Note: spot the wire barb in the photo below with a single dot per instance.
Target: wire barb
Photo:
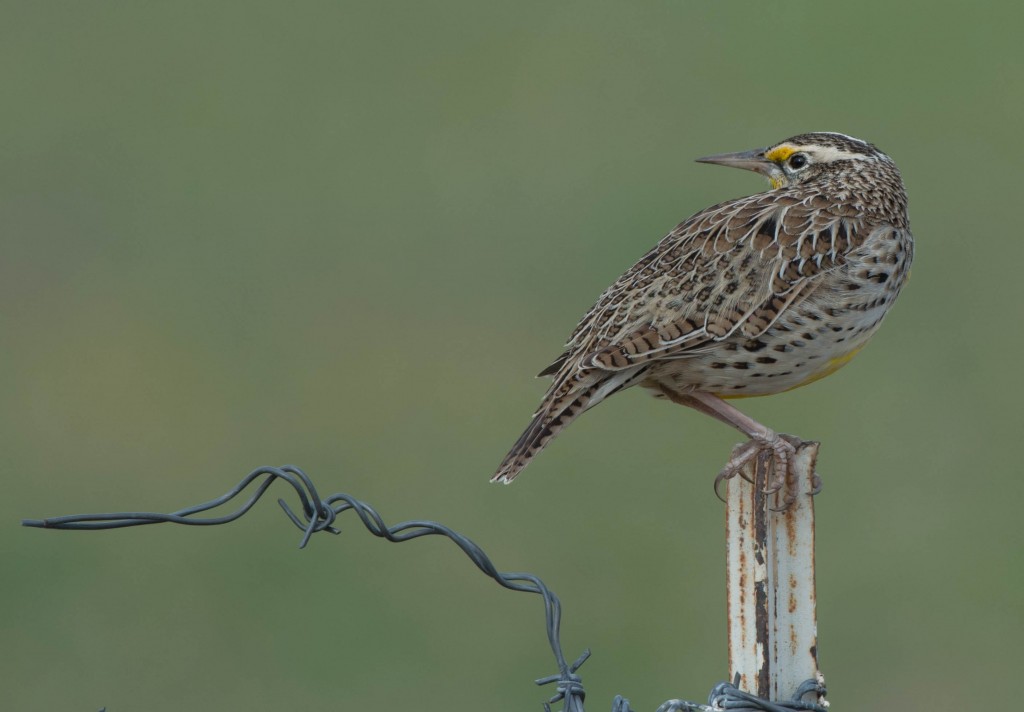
(570, 687)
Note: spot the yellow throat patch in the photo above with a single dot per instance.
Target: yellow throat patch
(778, 155)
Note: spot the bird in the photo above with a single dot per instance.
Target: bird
(750, 297)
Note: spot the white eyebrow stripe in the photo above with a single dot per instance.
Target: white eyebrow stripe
(828, 154)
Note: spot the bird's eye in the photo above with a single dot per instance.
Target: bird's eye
(798, 161)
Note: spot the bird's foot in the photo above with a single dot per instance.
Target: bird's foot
(768, 449)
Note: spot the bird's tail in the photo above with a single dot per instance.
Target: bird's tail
(563, 403)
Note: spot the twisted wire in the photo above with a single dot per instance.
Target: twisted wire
(726, 696)
(320, 514)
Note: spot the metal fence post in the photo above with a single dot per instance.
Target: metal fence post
(773, 645)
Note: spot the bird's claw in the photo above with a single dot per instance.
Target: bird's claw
(774, 451)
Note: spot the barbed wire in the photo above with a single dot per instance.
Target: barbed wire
(726, 696)
(320, 515)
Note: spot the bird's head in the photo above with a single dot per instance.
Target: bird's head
(806, 158)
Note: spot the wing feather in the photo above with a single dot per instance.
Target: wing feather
(730, 270)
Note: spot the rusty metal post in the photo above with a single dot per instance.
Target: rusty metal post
(773, 625)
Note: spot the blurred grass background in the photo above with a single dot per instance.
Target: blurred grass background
(347, 234)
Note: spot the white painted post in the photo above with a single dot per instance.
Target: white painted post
(773, 643)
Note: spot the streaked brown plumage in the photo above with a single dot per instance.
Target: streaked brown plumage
(750, 297)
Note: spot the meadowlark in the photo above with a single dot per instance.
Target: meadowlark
(750, 297)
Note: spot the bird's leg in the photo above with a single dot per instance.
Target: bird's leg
(761, 437)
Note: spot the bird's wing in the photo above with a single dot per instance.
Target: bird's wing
(729, 270)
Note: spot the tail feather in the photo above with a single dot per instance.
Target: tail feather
(565, 402)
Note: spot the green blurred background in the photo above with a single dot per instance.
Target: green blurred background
(347, 234)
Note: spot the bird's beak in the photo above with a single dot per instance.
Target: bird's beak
(748, 160)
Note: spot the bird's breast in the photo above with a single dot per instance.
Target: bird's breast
(809, 340)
